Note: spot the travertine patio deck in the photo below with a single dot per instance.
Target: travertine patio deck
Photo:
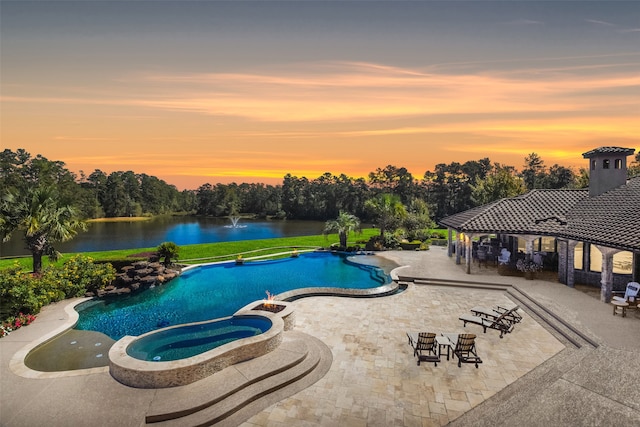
(374, 379)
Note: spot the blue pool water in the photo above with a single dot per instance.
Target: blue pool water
(219, 290)
(187, 341)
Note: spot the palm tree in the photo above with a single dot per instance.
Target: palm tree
(42, 219)
(168, 251)
(387, 210)
(343, 225)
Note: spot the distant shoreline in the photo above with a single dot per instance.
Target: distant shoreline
(121, 219)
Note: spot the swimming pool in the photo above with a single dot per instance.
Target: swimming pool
(218, 290)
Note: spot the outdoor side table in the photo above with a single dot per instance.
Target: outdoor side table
(621, 305)
(443, 341)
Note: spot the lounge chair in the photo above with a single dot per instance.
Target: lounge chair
(511, 315)
(464, 348)
(424, 342)
(505, 257)
(630, 295)
(500, 323)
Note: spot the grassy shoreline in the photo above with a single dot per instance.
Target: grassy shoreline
(122, 219)
(202, 252)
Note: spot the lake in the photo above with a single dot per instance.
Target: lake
(182, 230)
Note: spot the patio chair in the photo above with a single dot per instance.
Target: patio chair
(630, 295)
(511, 315)
(424, 342)
(499, 323)
(505, 257)
(464, 348)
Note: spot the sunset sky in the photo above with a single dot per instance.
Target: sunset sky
(197, 92)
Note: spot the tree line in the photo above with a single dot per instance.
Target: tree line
(448, 189)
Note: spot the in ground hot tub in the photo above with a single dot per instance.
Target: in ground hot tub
(183, 354)
(186, 341)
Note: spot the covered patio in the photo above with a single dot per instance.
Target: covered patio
(594, 234)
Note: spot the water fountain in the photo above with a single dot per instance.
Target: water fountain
(234, 222)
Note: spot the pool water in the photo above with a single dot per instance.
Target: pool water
(219, 290)
(187, 341)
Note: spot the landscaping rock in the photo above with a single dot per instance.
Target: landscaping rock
(137, 276)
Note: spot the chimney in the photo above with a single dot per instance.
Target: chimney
(607, 168)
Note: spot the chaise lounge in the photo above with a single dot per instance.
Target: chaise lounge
(510, 314)
(500, 323)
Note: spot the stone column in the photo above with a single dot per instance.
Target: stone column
(449, 242)
(606, 282)
(458, 247)
(563, 263)
(566, 261)
(528, 239)
(469, 256)
(571, 262)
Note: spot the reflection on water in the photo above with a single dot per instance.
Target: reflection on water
(104, 236)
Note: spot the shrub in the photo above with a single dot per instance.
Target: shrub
(18, 292)
(77, 276)
(439, 234)
(22, 292)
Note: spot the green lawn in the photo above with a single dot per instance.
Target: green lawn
(208, 252)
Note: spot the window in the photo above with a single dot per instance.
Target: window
(618, 164)
(622, 261)
(577, 256)
(605, 163)
(548, 244)
(593, 165)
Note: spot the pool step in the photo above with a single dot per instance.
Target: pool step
(239, 391)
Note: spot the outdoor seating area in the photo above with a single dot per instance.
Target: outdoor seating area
(628, 300)
(429, 347)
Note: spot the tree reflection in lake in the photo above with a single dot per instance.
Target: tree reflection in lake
(182, 230)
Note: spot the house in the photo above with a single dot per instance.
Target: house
(591, 236)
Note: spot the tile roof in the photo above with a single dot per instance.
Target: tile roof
(608, 150)
(538, 211)
(610, 219)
